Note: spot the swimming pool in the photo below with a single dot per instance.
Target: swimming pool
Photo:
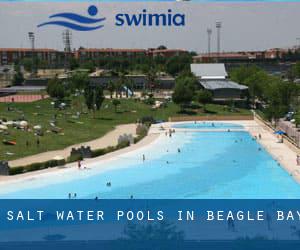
(209, 165)
(208, 125)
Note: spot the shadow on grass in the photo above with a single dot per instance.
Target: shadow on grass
(187, 112)
(104, 118)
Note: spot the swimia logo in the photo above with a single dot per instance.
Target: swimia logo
(88, 23)
(77, 22)
(150, 19)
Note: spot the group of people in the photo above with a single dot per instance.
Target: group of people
(170, 132)
(74, 196)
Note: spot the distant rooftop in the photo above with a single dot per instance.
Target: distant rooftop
(209, 70)
(221, 84)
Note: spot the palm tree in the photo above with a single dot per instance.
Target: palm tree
(111, 88)
(151, 79)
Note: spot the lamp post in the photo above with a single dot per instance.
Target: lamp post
(209, 31)
(218, 26)
(32, 40)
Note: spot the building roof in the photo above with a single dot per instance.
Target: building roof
(26, 50)
(110, 50)
(221, 84)
(209, 70)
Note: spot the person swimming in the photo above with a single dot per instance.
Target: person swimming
(178, 150)
(108, 184)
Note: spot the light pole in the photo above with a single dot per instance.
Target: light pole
(32, 40)
(218, 26)
(209, 31)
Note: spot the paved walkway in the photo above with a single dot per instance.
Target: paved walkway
(109, 139)
(22, 98)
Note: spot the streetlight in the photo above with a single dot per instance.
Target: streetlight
(32, 39)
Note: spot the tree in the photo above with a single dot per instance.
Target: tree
(79, 80)
(28, 64)
(89, 65)
(74, 64)
(184, 91)
(204, 97)
(177, 64)
(116, 103)
(111, 88)
(151, 79)
(161, 47)
(94, 98)
(55, 89)
(18, 77)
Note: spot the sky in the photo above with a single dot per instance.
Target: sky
(245, 26)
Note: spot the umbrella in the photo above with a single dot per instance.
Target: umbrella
(279, 132)
(3, 127)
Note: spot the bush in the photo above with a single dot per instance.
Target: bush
(123, 144)
(16, 170)
(98, 152)
(147, 119)
(74, 157)
(36, 166)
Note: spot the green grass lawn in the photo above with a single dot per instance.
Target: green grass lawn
(83, 129)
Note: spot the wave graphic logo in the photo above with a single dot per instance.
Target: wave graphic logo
(75, 21)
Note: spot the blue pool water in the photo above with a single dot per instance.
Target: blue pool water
(208, 125)
(210, 165)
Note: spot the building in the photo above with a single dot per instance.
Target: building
(83, 54)
(136, 81)
(244, 56)
(11, 55)
(166, 52)
(92, 53)
(229, 57)
(214, 78)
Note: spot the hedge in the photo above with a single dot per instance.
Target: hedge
(36, 166)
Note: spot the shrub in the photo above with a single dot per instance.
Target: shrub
(74, 157)
(16, 170)
(98, 152)
(36, 166)
(123, 144)
(147, 119)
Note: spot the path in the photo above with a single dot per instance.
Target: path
(109, 139)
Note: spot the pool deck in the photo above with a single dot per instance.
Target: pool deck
(284, 153)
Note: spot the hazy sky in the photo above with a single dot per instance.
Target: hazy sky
(246, 26)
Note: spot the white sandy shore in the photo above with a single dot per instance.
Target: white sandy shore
(284, 153)
(72, 167)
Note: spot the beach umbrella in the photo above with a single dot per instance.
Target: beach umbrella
(3, 127)
(23, 124)
(37, 127)
(279, 132)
